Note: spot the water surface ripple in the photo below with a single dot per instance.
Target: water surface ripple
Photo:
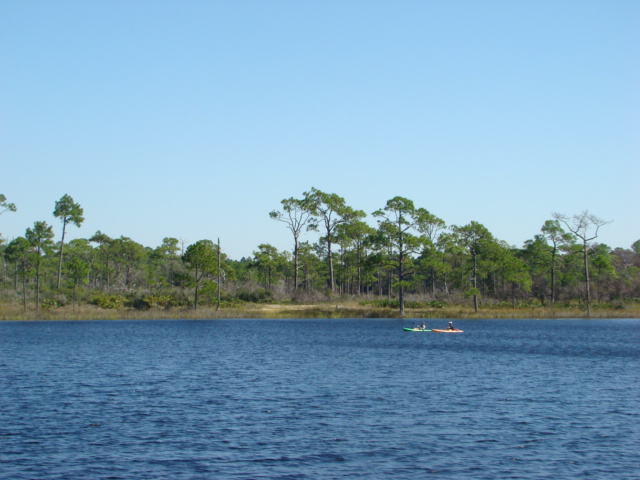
(319, 399)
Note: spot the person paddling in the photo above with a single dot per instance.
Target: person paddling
(451, 327)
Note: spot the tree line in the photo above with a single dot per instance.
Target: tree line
(410, 255)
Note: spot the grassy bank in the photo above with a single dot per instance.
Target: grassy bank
(323, 310)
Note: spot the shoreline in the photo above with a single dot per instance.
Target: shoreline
(310, 311)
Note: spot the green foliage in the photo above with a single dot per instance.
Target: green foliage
(50, 303)
(107, 301)
(411, 254)
(531, 303)
(257, 296)
(208, 292)
(271, 264)
(231, 303)
(156, 301)
(40, 237)
(387, 303)
(68, 211)
(6, 206)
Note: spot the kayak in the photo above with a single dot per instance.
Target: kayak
(415, 329)
(447, 331)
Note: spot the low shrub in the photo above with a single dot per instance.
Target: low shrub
(387, 303)
(257, 296)
(107, 301)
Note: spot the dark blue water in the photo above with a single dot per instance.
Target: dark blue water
(319, 399)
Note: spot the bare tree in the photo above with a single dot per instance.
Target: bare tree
(585, 226)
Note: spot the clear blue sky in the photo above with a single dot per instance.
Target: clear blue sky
(194, 119)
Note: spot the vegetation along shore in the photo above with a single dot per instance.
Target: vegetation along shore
(346, 309)
(409, 264)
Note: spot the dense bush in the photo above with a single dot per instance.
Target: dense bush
(105, 300)
(258, 296)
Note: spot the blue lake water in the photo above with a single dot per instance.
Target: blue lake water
(319, 399)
